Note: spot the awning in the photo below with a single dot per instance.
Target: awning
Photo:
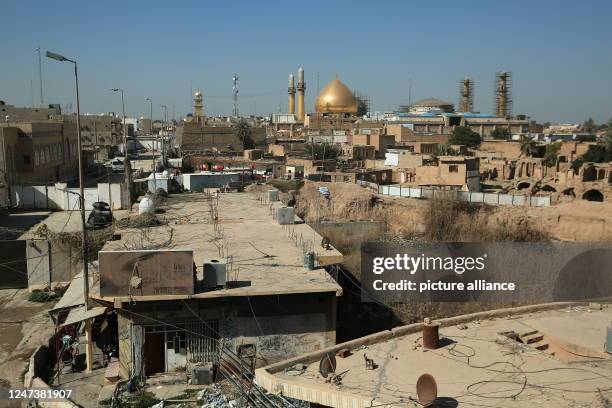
(79, 314)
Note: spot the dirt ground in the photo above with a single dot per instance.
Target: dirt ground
(577, 220)
(24, 326)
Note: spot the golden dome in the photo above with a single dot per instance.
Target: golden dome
(336, 98)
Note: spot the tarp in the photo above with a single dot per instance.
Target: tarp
(73, 297)
(79, 314)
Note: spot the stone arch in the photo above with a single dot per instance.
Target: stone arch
(593, 195)
(549, 188)
(522, 185)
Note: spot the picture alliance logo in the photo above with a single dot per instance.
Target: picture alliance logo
(413, 264)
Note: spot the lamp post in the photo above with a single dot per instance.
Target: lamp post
(61, 58)
(164, 136)
(126, 167)
(153, 145)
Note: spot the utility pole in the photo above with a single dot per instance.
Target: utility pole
(126, 166)
(153, 146)
(165, 135)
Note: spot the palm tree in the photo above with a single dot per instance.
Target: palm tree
(528, 147)
(242, 130)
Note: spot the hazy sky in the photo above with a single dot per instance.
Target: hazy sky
(560, 52)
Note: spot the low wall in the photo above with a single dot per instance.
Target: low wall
(467, 196)
(413, 328)
(60, 197)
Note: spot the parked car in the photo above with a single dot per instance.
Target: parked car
(100, 217)
(116, 164)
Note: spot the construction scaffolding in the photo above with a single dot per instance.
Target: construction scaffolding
(466, 95)
(503, 94)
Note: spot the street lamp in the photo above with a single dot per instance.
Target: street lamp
(164, 136)
(123, 113)
(61, 58)
(153, 144)
(125, 150)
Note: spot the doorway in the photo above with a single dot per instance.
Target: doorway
(155, 354)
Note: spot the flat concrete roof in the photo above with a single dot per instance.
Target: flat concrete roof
(475, 366)
(266, 259)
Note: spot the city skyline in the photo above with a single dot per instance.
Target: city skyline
(557, 52)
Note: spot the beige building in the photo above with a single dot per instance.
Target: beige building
(451, 173)
(358, 152)
(198, 137)
(381, 142)
(38, 152)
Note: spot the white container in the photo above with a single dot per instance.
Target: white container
(146, 206)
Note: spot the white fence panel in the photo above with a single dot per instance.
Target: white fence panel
(405, 191)
(490, 198)
(476, 197)
(395, 191)
(505, 199)
(463, 196)
(416, 192)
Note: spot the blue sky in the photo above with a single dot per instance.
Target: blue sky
(560, 52)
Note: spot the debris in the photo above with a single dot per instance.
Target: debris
(343, 353)
(462, 326)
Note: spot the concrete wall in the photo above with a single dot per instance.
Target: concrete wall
(279, 326)
(60, 197)
(199, 181)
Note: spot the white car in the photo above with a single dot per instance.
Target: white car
(116, 165)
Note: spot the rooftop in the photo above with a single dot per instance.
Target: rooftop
(563, 364)
(266, 257)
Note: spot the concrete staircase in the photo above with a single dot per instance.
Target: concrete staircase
(536, 340)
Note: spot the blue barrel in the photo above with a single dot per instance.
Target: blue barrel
(309, 260)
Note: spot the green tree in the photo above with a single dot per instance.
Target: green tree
(465, 136)
(501, 134)
(445, 150)
(322, 151)
(552, 153)
(242, 130)
(528, 147)
(589, 125)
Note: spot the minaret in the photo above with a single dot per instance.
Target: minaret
(301, 87)
(291, 94)
(466, 95)
(503, 94)
(198, 107)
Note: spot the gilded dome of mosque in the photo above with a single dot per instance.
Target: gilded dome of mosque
(336, 98)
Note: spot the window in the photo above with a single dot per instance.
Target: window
(26, 159)
(453, 168)
(36, 156)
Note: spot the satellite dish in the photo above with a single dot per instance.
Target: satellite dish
(327, 365)
(427, 390)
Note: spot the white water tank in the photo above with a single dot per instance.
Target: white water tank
(146, 206)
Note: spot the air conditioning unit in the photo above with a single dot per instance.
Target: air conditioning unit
(203, 375)
(285, 215)
(215, 273)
